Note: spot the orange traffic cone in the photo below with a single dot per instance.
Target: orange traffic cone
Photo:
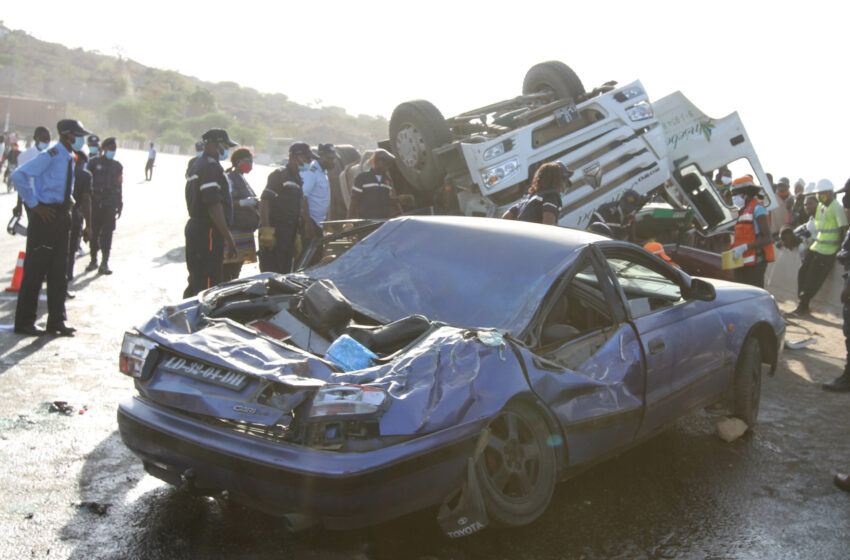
(19, 274)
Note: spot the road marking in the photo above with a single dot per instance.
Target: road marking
(42, 297)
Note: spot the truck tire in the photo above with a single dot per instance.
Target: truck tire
(416, 129)
(554, 77)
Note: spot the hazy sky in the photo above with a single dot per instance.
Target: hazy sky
(781, 65)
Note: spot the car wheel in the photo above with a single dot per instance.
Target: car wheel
(748, 382)
(416, 129)
(516, 469)
(555, 78)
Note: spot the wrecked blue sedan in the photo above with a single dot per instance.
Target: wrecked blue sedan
(459, 364)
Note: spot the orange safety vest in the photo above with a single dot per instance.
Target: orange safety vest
(745, 233)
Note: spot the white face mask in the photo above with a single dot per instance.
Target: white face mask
(738, 201)
(726, 180)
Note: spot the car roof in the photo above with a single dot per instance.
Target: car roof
(466, 271)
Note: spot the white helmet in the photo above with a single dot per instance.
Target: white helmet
(810, 189)
(799, 183)
(825, 185)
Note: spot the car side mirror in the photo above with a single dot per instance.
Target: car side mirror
(702, 290)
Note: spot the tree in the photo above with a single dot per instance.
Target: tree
(199, 102)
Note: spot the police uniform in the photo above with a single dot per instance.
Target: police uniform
(82, 187)
(206, 186)
(374, 192)
(46, 180)
(107, 177)
(530, 208)
(283, 195)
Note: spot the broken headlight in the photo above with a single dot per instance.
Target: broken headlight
(628, 93)
(348, 400)
(134, 352)
(493, 175)
(640, 111)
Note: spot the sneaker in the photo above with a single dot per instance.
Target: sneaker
(104, 269)
(91, 266)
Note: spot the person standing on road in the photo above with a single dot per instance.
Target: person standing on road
(199, 151)
(542, 204)
(11, 159)
(280, 211)
(210, 212)
(246, 213)
(752, 241)
(842, 383)
(42, 141)
(149, 164)
(80, 212)
(831, 224)
(107, 203)
(372, 196)
(317, 194)
(93, 143)
(45, 184)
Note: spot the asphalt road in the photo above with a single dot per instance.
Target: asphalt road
(70, 489)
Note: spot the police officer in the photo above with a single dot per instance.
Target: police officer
(81, 211)
(93, 143)
(372, 196)
(107, 203)
(542, 204)
(45, 184)
(620, 214)
(210, 213)
(199, 151)
(280, 210)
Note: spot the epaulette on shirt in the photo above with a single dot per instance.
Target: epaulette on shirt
(53, 151)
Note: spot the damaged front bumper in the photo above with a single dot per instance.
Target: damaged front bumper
(341, 490)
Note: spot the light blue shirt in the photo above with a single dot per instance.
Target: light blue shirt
(759, 210)
(44, 178)
(317, 190)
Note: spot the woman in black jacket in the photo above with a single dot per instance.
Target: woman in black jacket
(246, 214)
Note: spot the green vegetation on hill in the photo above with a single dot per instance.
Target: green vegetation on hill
(123, 98)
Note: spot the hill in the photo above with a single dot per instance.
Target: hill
(120, 97)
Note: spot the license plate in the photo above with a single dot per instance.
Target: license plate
(203, 372)
(566, 115)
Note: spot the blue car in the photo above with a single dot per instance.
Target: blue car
(460, 364)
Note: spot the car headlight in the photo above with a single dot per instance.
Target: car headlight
(493, 175)
(641, 111)
(134, 352)
(348, 400)
(628, 93)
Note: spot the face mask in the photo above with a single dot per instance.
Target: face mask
(41, 146)
(304, 167)
(726, 180)
(78, 143)
(245, 167)
(94, 150)
(738, 201)
(199, 154)
(110, 154)
(224, 156)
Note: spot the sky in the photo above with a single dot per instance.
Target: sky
(781, 65)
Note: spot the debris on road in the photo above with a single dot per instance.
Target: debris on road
(63, 407)
(800, 344)
(730, 429)
(93, 507)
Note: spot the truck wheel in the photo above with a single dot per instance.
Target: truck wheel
(516, 470)
(748, 382)
(416, 129)
(553, 77)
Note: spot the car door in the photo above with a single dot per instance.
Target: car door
(687, 363)
(587, 363)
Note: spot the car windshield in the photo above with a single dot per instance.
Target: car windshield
(467, 272)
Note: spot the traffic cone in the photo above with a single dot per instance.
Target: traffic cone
(19, 274)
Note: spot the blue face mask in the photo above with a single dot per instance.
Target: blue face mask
(224, 156)
(41, 146)
(78, 143)
(304, 167)
(94, 150)
(199, 154)
(110, 154)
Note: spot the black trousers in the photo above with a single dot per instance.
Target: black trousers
(149, 170)
(76, 236)
(102, 226)
(812, 274)
(847, 335)
(204, 257)
(752, 275)
(281, 257)
(46, 258)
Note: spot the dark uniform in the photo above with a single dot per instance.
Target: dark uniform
(47, 181)
(107, 201)
(82, 187)
(283, 195)
(375, 193)
(206, 186)
(530, 208)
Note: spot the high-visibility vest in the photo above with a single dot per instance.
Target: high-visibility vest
(829, 234)
(745, 233)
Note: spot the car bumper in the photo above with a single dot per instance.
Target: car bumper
(342, 490)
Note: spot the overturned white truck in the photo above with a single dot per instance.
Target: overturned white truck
(613, 138)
